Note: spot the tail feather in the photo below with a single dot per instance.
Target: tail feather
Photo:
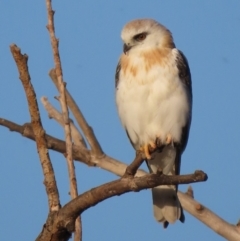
(166, 206)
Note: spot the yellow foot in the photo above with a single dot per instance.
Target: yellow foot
(146, 152)
(146, 149)
(168, 139)
(152, 145)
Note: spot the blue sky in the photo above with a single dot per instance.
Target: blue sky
(89, 31)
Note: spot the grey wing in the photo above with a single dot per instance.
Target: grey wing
(117, 78)
(185, 77)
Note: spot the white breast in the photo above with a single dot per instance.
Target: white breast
(152, 103)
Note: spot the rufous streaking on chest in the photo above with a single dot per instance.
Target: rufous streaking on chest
(154, 99)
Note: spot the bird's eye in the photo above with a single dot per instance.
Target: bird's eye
(140, 37)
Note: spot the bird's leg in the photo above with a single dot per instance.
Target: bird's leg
(146, 152)
(146, 149)
(152, 145)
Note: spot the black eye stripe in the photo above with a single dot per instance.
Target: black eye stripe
(140, 36)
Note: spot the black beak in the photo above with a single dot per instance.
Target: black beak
(126, 48)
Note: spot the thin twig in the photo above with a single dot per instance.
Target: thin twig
(86, 129)
(38, 131)
(53, 113)
(62, 99)
(228, 231)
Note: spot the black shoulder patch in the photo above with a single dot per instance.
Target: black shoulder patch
(185, 77)
(117, 74)
(184, 70)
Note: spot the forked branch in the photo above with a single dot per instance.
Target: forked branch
(64, 221)
(228, 231)
(86, 129)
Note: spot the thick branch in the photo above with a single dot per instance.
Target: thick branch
(131, 170)
(63, 223)
(116, 188)
(119, 168)
(38, 131)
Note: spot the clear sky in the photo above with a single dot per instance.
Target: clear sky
(208, 32)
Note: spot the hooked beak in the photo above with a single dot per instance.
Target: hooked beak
(126, 48)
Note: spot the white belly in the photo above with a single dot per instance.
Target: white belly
(153, 109)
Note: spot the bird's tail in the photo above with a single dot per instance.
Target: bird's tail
(166, 206)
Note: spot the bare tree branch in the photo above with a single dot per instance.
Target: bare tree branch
(124, 185)
(56, 115)
(206, 216)
(65, 219)
(112, 165)
(63, 102)
(37, 129)
(87, 130)
(105, 162)
(131, 169)
(76, 135)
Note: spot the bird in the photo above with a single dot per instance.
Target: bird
(153, 92)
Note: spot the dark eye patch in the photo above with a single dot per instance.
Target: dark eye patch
(140, 37)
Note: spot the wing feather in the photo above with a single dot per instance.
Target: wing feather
(185, 77)
(117, 73)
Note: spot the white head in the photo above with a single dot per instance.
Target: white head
(144, 34)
